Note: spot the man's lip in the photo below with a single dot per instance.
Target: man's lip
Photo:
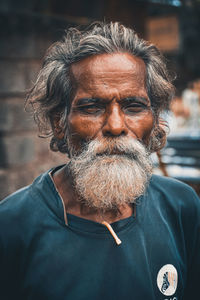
(117, 153)
(108, 153)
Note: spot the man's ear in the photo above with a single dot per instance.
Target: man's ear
(58, 131)
(159, 135)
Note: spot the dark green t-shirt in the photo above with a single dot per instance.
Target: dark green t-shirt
(43, 258)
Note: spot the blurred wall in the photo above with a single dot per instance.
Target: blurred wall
(25, 36)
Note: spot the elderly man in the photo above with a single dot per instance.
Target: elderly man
(101, 226)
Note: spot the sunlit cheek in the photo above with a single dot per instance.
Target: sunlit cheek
(141, 126)
(82, 128)
(147, 129)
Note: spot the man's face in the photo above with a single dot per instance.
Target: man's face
(109, 100)
(109, 122)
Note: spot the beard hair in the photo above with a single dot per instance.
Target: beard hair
(110, 173)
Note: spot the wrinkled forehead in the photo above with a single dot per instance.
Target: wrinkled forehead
(117, 70)
(109, 76)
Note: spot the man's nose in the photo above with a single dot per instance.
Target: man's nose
(114, 123)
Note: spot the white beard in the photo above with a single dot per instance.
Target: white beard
(110, 173)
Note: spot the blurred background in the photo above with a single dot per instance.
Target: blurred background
(29, 27)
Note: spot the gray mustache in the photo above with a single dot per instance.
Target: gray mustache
(118, 148)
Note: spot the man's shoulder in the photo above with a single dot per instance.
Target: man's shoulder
(173, 192)
(15, 200)
(168, 184)
(30, 208)
(22, 202)
(14, 212)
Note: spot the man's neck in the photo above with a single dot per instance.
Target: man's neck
(73, 206)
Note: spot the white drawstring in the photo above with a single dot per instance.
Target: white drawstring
(117, 240)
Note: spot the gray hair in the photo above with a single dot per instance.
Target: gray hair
(51, 94)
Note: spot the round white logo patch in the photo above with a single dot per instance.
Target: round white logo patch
(167, 280)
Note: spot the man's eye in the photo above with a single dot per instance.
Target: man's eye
(90, 109)
(134, 108)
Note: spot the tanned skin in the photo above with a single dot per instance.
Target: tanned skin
(110, 100)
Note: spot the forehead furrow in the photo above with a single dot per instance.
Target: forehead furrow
(110, 75)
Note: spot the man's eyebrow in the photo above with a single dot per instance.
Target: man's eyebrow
(144, 100)
(83, 101)
(86, 101)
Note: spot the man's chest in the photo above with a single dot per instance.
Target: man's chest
(79, 266)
